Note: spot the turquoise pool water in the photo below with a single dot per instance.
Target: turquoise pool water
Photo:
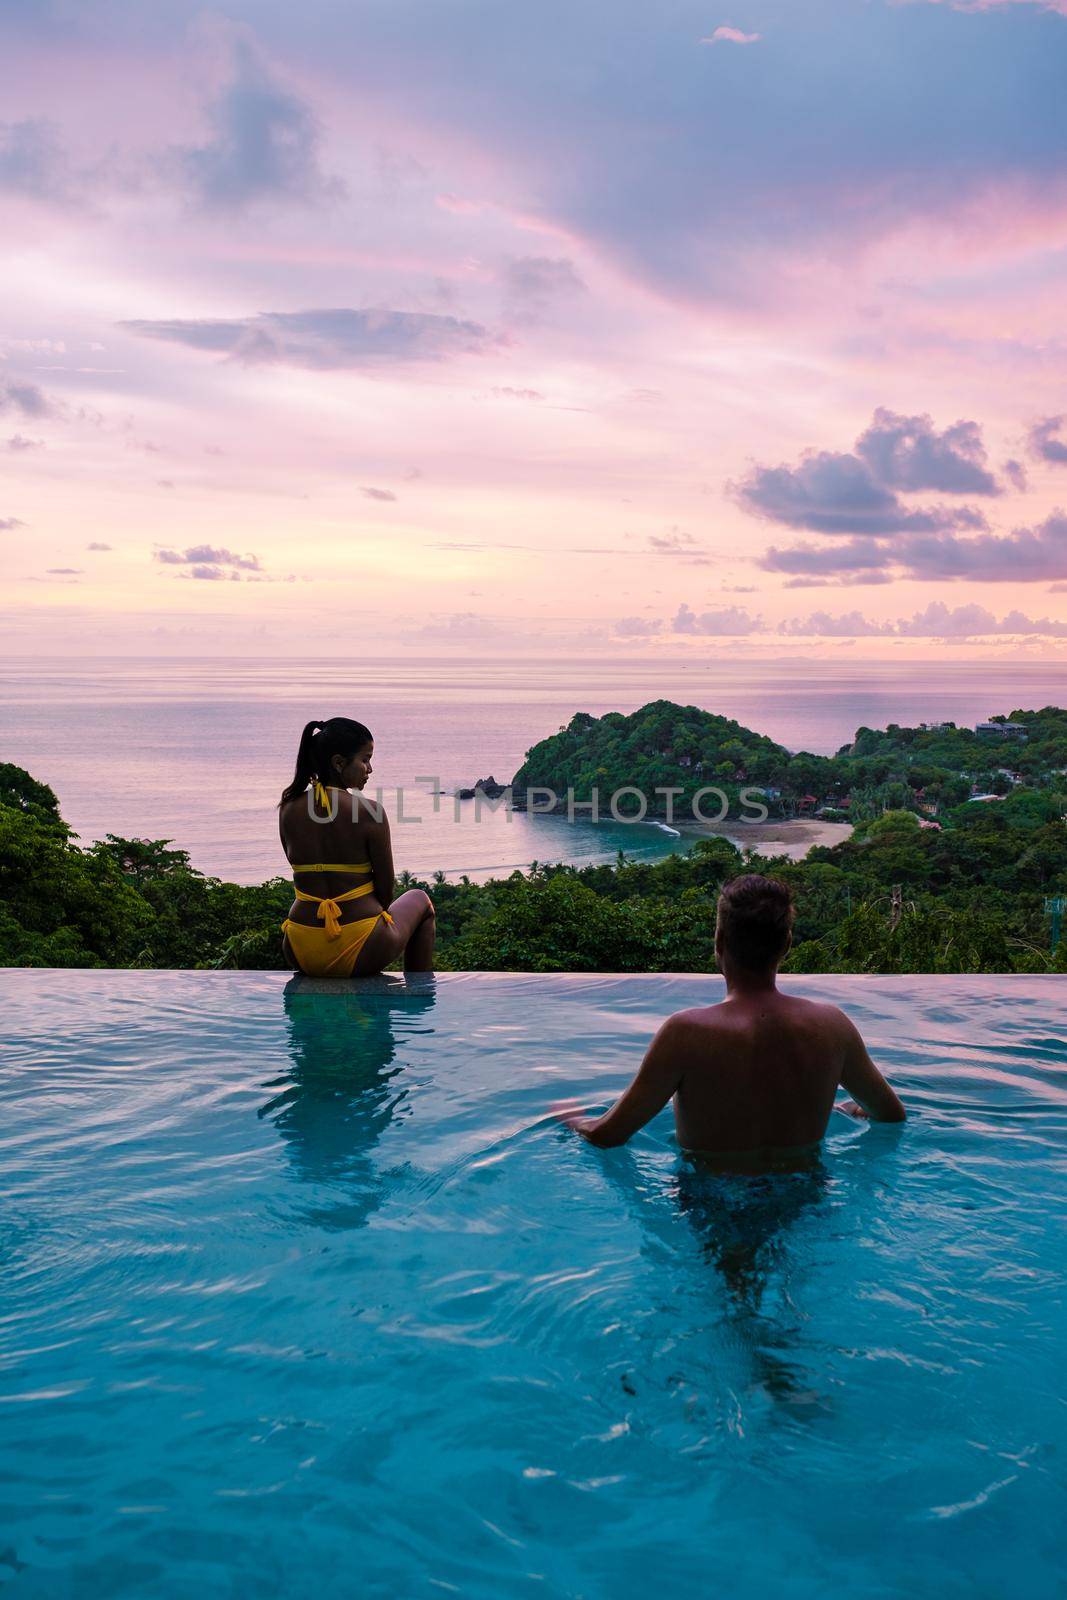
(304, 1293)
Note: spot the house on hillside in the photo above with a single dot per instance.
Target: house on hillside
(1000, 730)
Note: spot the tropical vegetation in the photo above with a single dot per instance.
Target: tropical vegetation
(977, 891)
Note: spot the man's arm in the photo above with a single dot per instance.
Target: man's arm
(861, 1078)
(657, 1078)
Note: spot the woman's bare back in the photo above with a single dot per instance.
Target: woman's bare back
(356, 834)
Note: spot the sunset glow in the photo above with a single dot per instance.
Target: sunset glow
(535, 330)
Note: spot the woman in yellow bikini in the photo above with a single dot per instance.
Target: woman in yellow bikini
(344, 921)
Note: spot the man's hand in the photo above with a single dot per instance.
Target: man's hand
(657, 1078)
(575, 1116)
(851, 1109)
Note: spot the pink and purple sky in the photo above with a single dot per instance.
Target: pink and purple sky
(470, 326)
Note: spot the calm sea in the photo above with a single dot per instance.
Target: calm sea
(197, 751)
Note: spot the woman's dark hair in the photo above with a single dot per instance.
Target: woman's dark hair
(319, 743)
(756, 920)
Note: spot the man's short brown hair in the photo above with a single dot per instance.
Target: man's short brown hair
(756, 920)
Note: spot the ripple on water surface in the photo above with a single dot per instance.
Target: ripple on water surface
(305, 1292)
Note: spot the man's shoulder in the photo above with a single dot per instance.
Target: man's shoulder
(825, 1008)
(695, 1019)
(823, 1013)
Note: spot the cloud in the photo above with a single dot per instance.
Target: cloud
(638, 627)
(814, 561)
(938, 621)
(1059, 6)
(1015, 473)
(27, 399)
(941, 622)
(97, 545)
(461, 625)
(858, 492)
(541, 277)
(33, 162)
(1026, 555)
(908, 453)
(1043, 442)
(64, 572)
(207, 561)
(264, 143)
(507, 393)
(377, 494)
(675, 541)
(849, 625)
(732, 621)
(727, 35)
(838, 494)
(709, 195)
(325, 340)
(458, 206)
(865, 577)
(9, 524)
(532, 283)
(18, 444)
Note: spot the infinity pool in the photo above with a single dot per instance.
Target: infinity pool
(306, 1294)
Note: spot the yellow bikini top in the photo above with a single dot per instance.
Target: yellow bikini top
(333, 866)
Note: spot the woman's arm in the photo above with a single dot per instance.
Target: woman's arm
(380, 856)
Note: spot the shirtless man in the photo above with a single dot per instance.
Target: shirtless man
(758, 1071)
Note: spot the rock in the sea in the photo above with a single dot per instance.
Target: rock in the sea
(487, 786)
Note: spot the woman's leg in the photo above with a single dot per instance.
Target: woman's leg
(418, 952)
(412, 931)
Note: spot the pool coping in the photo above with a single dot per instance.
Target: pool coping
(386, 981)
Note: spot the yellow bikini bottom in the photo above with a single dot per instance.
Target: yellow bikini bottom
(332, 950)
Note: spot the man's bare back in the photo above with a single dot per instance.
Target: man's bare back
(758, 1071)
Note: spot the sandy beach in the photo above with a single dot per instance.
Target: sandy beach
(792, 837)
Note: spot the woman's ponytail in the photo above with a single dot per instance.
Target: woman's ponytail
(305, 763)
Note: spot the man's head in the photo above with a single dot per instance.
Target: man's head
(755, 924)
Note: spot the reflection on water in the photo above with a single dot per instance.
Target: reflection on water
(743, 1220)
(345, 1084)
(744, 1223)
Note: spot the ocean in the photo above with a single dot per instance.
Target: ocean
(197, 751)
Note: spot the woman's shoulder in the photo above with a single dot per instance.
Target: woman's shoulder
(369, 814)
